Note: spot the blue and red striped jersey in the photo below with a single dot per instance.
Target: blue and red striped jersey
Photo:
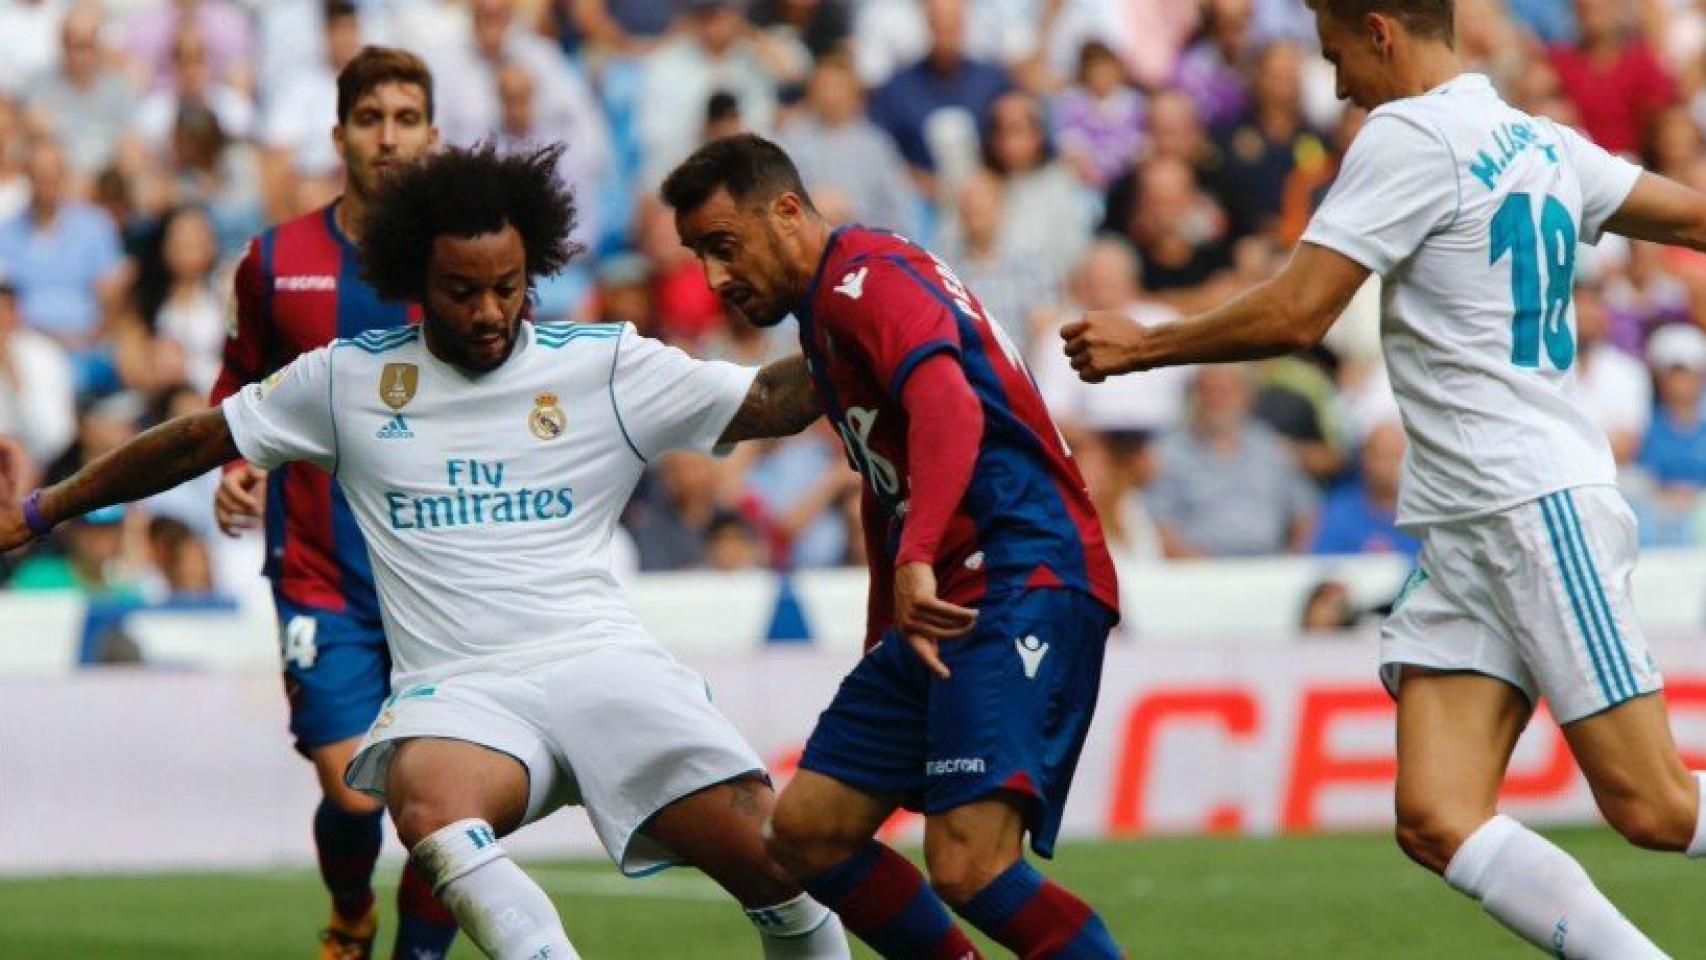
(299, 287)
(878, 307)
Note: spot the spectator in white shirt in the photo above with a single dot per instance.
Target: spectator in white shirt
(192, 82)
(86, 105)
(37, 408)
(296, 128)
(29, 41)
(710, 53)
(472, 109)
(1616, 389)
(1108, 279)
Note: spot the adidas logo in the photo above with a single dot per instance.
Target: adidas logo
(396, 428)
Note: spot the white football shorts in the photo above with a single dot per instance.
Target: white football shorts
(623, 731)
(1537, 596)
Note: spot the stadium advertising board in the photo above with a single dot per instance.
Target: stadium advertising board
(148, 770)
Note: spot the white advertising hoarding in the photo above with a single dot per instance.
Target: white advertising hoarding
(123, 769)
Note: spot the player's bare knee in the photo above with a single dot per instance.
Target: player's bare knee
(1431, 837)
(419, 818)
(1660, 819)
(761, 882)
(804, 845)
(957, 873)
(352, 801)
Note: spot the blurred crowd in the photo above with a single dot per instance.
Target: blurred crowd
(1151, 156)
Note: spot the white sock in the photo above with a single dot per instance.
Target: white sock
(506, 914)
(1697, 846)
(1543, 895)
(801, 929)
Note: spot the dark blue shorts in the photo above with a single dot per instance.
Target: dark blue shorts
(337, 673)
(1012, 717)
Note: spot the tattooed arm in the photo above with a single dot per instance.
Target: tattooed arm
(160, 459)
(782, 401)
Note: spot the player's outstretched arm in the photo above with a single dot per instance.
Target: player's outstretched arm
(1291, 311)
(1663, 211)
(782, 402)
(160, 459)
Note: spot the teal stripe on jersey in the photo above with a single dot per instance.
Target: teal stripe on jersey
(570, 329)
(1616, 639)
(387, 336)
(559, 341)
(574, 335)
(332, 404)
(385, 342)
(1565, 569)
(558, 344)
(615, 407)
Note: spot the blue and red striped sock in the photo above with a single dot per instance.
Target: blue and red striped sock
(1036, 918)
(425, 926)
(347, 845)
(883, 899)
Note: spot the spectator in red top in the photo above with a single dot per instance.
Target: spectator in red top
(1615, 80)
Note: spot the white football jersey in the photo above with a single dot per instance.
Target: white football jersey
(1471, 211)
(489, 500)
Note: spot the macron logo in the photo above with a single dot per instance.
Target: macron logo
(853, 285)
(939, 768)
(1031, 653)
(308, 282)
(396, 428)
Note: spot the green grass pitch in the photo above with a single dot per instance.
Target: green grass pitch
(1329, 896)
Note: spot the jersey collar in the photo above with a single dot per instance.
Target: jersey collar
(822, 264)
(332, 228)
(1463, 83)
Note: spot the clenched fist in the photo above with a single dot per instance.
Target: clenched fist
(1103, 344)
(241, 499)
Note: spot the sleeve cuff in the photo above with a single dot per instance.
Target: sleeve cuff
(1632, 175)
(916, 356)
(1348, 243)
(236, 420)
(740, 385)
(914, 555)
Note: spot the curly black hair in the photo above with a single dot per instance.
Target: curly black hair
(467, 192)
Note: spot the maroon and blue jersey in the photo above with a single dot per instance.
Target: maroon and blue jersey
(298, 288)
(878, 307)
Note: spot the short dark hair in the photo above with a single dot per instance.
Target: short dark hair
(1436, 19)
(750, 167)
(375, 66)
(467, 192)
(722, 106)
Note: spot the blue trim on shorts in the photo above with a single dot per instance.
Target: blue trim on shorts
(1577, 546)
(1615, 642)
(1565, 567)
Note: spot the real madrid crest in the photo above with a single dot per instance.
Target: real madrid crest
(547, 420)
(397, 384)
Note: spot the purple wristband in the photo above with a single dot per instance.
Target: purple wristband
(32, 515)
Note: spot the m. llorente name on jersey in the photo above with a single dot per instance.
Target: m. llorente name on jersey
(477, 498)
(1509, 141)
